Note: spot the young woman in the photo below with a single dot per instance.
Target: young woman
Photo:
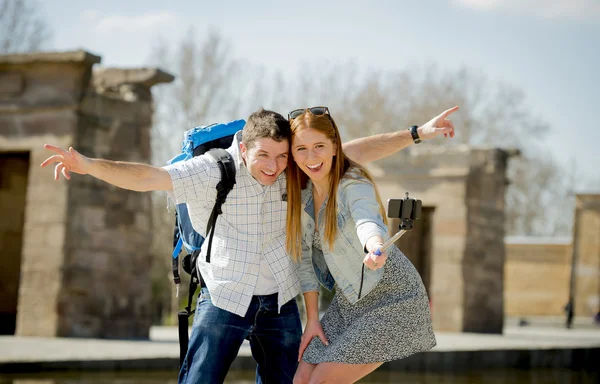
(335, 216)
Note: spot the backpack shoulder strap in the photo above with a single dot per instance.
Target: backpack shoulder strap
(227, 167)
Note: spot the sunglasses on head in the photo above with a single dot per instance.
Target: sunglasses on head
(314, 110)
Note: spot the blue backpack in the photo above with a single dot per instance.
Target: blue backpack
(212, 140)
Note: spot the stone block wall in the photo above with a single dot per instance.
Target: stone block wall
(541, 274)
(84, 269)
(537, 276)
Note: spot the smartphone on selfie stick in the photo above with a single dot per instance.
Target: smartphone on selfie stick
(407, 210)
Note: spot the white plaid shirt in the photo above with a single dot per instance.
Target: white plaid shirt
(252, 226)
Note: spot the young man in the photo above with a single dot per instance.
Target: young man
(251, 280)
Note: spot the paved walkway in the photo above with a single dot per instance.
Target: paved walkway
(539, 345)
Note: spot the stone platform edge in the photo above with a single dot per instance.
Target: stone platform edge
(585, 358)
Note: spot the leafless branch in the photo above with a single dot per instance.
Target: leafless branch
(22, 29)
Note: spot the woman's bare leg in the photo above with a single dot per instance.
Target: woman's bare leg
(304, 372)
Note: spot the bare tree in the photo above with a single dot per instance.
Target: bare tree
(205, 90)
(540, 198)
(22, 29)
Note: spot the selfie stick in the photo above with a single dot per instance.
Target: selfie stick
(389, 243)
(407, 210)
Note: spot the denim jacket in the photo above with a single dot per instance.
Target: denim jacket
(358, 219)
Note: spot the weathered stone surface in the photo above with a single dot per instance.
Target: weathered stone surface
(147, 77)
(128, 84)
(46, 85)
(37, 309)
(11, 84)
(79, 56)
(537, 274)
(59, 121)
(483, 264)
(84, 267)
(586, 251)
(95, 104)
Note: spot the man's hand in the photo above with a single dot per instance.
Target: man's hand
(67, 162)
(438, 125)
(126, 175)
(313, 328)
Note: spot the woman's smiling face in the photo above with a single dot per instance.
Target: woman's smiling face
(313, 152)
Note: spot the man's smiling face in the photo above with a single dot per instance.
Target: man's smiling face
(266, 159)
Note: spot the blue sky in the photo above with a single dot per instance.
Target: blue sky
(550, 49)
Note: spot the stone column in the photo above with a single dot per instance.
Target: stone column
(107, 283)
(586, 254)
(483, 261)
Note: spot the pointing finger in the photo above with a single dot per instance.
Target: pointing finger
(447, 112)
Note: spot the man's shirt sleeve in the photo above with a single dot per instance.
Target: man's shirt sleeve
(192, 178)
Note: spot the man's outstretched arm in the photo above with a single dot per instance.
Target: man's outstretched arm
(132, 176)
(372, 148)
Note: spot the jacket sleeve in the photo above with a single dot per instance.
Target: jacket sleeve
(361, 200)
(306, 272)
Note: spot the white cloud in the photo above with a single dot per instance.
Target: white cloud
(144, 21)
(547, 9)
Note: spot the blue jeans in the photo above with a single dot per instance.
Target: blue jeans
(217, 336)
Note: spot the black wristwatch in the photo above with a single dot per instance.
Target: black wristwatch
(415, 134)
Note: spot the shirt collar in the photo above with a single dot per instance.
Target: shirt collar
(235, 149)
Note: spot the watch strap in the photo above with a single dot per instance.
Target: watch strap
(415, 134)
